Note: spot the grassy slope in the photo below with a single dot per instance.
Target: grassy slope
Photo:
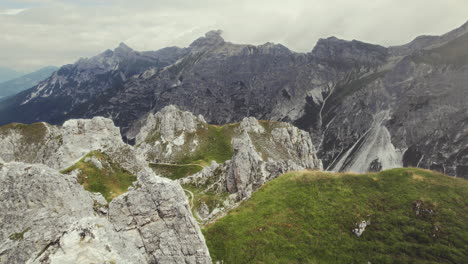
(175, 171)
(215, 144)
(307, 217)
(111, 181)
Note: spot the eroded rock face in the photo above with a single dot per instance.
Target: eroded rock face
(166, 133)
(33, 204)
(55, 146)
(63, 223)
(260, 156)
(49, 218)
(159, 211)
(169, 122)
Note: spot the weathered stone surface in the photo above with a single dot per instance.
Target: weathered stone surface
(42, 204)
(169, 122)
(47, 217)
(55, 146)
(361, 227)
(158, 209)
(163, 135)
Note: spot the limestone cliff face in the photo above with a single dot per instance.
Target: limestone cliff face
(47, 216)
(156, 214)
(261, 155)
(164, 135)
(34, 212)
(57, 146)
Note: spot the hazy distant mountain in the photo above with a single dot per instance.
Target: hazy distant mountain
(366, 107)
(8, 74)
(24, 82)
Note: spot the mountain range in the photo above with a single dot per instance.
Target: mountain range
(366, 107)
(18, 84)
(7, 74)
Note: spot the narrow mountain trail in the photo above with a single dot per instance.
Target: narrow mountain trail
(179, 165)
(191, 198)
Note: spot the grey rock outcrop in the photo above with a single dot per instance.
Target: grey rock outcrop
(49, 218)
(361, 227)
(58, 146)
(259, 157)
(164, 135)
(83, 228)
(157, 213)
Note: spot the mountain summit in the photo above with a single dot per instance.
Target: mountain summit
(211, 39)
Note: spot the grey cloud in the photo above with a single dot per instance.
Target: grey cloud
(54, 32)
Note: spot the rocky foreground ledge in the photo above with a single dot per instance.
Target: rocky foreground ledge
(47, 216)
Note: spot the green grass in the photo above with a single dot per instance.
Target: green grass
(19, 236)
(110, 181)
(307, 217)
(215, 144)
(175, 171)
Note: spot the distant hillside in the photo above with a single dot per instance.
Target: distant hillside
(8, 74)
(414, 216)
(24, 82)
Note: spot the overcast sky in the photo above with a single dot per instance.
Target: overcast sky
(36, 33)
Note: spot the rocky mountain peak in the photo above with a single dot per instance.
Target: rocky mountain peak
(211, 39)
(354, 50)
(122, 49)
(269, 48)
(251, 124)
(109, 59)
(425, 42)
(169, 123)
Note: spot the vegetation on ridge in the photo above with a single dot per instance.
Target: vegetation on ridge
(417, 216)
(31, 134)
(175, 171)
(111, 180)
(214, 144)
